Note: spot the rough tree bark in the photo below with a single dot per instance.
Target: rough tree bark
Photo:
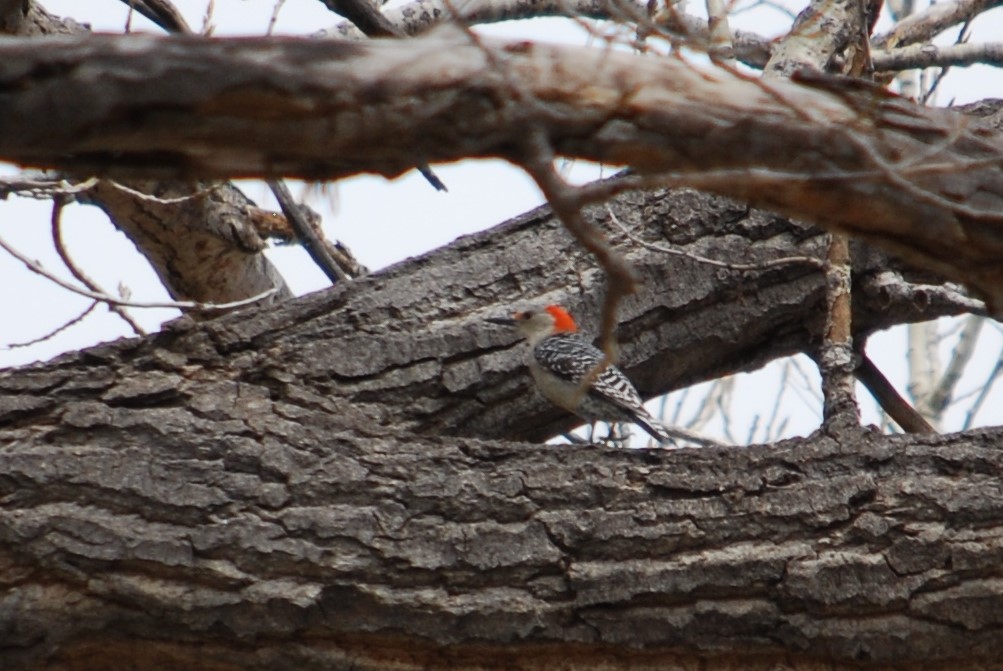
(264, 534)
(925, 183)
(275, 489)
(309, 486)
(410, 347)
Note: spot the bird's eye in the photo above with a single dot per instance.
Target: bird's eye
(528, 314)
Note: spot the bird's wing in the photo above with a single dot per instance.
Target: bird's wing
(571, 358)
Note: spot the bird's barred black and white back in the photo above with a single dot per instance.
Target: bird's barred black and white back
(560, 363)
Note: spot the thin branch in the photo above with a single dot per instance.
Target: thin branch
(307, 232)
(37, 268)
(774, 263)
(889, 399)
(768, 429)
(56, 222)
(150, 198)
(563, 199)
(942, 394)
(680, 433)
(161, 12)
(984, 393)
(365, 16)
(38, 185)
(59, 329)
(275, 16)
(924, 26)
(930, 55)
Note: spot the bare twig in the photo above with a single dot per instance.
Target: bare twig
(365, 16)
(690, 436)
(923, 26)
(889, 399)
(275, 16)
(942, 394)
(56, 222)
(37, 268)
(963, 36)
(207, 24)
(773, 263)
(42, 187)
(59, 329)
(930, 55)
(148, 197)
(717, 397)
(307, 232)
(563, 199)
(984, 393)
(161, 12)
(768, 430)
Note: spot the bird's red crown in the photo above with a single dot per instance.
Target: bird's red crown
(563, 322)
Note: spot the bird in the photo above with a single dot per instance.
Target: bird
(570, 372)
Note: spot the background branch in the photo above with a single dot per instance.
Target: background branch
(924, 183)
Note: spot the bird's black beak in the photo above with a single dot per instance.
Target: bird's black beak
(505, 321)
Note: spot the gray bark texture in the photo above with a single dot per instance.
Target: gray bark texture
(262, 534)
(921, 182)
(410, 348)
(309, 485)
(322, 484)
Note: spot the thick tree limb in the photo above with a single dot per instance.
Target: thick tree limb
(409, 345)
(165, 501)
(274, 535)
(924, 183)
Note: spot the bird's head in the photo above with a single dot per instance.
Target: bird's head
(535, 325)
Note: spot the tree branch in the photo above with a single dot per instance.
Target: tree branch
(924, 183)
(931, 55)
(327, 543)
(408, 345)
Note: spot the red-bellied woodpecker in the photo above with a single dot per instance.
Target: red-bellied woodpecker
(562, 360)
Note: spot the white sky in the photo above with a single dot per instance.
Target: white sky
(386, 221)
